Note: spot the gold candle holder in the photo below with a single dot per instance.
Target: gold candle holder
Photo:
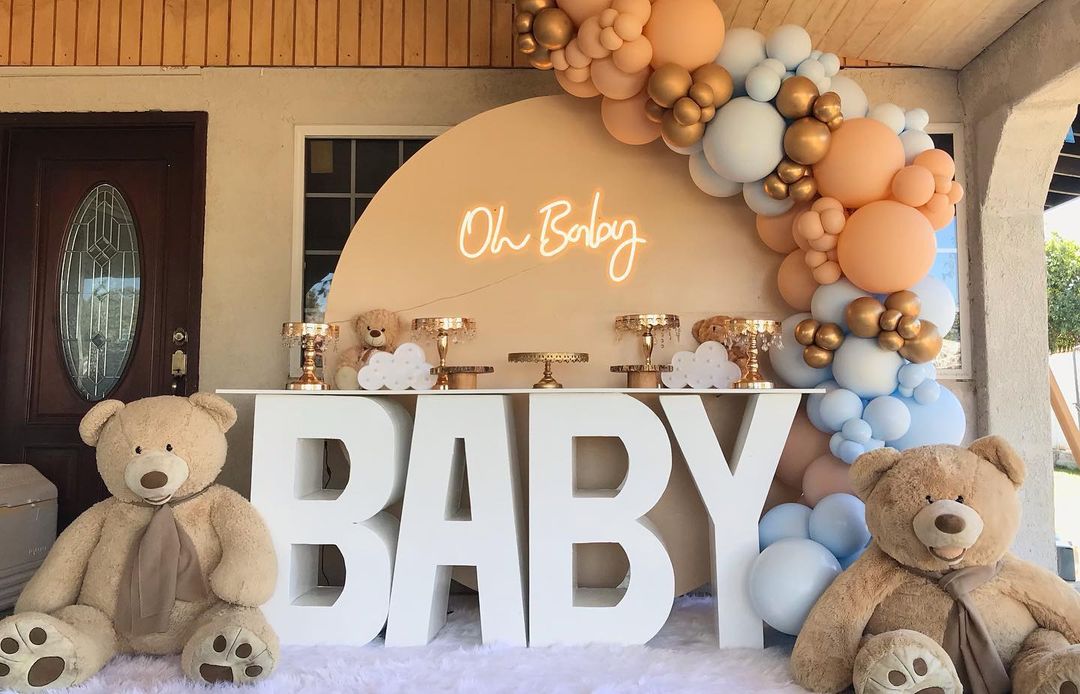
(755, 335)
(444, 330)
(547, 359)
(649, 326)
(312, 338)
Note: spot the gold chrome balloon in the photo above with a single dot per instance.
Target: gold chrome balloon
(909, 327)
(552, 28)
(816, 357)
(925, 347)
(890, 340)
(803, 190)
(701, 93)
(862, 316)
(806, 141)
(805, 331)
(541, 58)
(906, 302)
(686, 111)
(718, 79)
(775, 188)
(827, 107)
(790, 171)
(678, 134)
(654, 111)
(829, 336)
(835, 123)
(526, 43)
(669, 83)
(796, 97)
(890, 319)
(523, 22)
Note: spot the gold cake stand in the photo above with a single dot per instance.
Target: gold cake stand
(312, 338)
(444, 329)
(755, 335)
(547, 359)
(461, 377)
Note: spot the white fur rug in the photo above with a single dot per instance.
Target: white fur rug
(682, 658)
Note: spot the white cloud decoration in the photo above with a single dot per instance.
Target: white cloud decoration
(405, 369)
(708, 367)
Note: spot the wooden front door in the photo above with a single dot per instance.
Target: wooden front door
(100, 278)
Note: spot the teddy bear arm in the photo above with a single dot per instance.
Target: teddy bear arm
(824, 653)
(247, 572)
(58, 581)
(1052, 603)
(351, 357)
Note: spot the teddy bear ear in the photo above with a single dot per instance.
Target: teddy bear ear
(217, 407)
(94, 421)
(868, 469)
(1003, 456)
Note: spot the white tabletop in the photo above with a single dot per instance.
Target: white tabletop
(527, 391)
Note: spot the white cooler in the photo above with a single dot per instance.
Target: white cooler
(27, 527)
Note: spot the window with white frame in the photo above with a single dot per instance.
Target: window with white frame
(950, 266)
(341, 176)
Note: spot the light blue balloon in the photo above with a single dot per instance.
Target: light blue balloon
(787, 579)
(787, 359)
(911, 375)
(813, 405)
(942, 421)
(835, 441)
(830, 301)
(838, 406)
(927, 392)
(874, 444)
(857, 430)
(849, 451)
(888, 417)
(863, 367)
(847, 561)
(783, 522)
(838, 522)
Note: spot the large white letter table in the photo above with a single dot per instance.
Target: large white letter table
(397, 573)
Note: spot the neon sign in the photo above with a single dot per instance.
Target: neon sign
(482, 233)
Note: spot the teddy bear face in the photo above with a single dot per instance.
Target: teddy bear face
(939, 508)
(378, 328)
(161, 448)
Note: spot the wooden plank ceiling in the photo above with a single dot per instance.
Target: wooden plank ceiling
(1065, 184)
(436, 33)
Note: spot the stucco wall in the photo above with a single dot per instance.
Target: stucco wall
(249, 202)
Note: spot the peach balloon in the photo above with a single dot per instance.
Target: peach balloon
(956, 193)
(796, 283)
(580, 10)
(864, 156)
(625, 119)
(886, 246)
(824, 476)
(780, 493)
(913, 185)
(804, 444)
(685, 32)
(616, 84)
(775, 232)
(582, 90)
(938, 162)
(938, 211)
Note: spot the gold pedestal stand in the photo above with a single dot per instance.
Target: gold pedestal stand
(641, 375)
(547, 359)
(461, 377)
(650, 326)
(444, 330)
(755, 335)
(313, 338)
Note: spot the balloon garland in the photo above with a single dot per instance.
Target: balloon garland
(850, 194)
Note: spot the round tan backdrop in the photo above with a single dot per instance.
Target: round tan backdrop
(564, 228)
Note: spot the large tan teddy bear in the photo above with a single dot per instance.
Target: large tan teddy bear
(937, 604)
(377, 330)
(171, 563)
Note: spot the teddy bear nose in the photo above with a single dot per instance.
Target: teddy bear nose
(375, 333)
(950, 523)
(155, 479)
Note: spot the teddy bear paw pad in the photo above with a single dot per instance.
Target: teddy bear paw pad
(911, 669)
(232, 655)
(1060, 673)
(34, 655)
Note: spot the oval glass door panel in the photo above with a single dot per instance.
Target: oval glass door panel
(99, 291)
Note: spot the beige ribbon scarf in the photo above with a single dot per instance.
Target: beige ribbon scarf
(967, 640)
(163, 568)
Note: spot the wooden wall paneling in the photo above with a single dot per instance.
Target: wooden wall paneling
(849, 18)
(984, 25)
(64, 36)
(195, 32)
(393, 18)
(86, 33)
(435, 33)
(5, 32)
(800, 12)
(413, 37)
(262, 32)
(172, 32)
(899, 25)
(240, 32)
(520, 59)
(108, 52)
(284, 27)
(22, 32)
(217, 32)
(44, 19)
(130, 32)
(871, 25)
(153, 26)
(772, 15)
(348, 39)
(747, 13)
(305, 33)
(502, 34)
(822, 18)
(457, 33)
(370, 32)
(909, 38)
(480, 33)
(326, 32)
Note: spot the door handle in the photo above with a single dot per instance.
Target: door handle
(178, 363)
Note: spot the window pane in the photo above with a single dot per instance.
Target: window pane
(946, 268)
(327, 166)
(946, 236)
(943, 141)
(326, 224)
(361, 205)
(376, 161)
(411, 147)
(318, 273)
